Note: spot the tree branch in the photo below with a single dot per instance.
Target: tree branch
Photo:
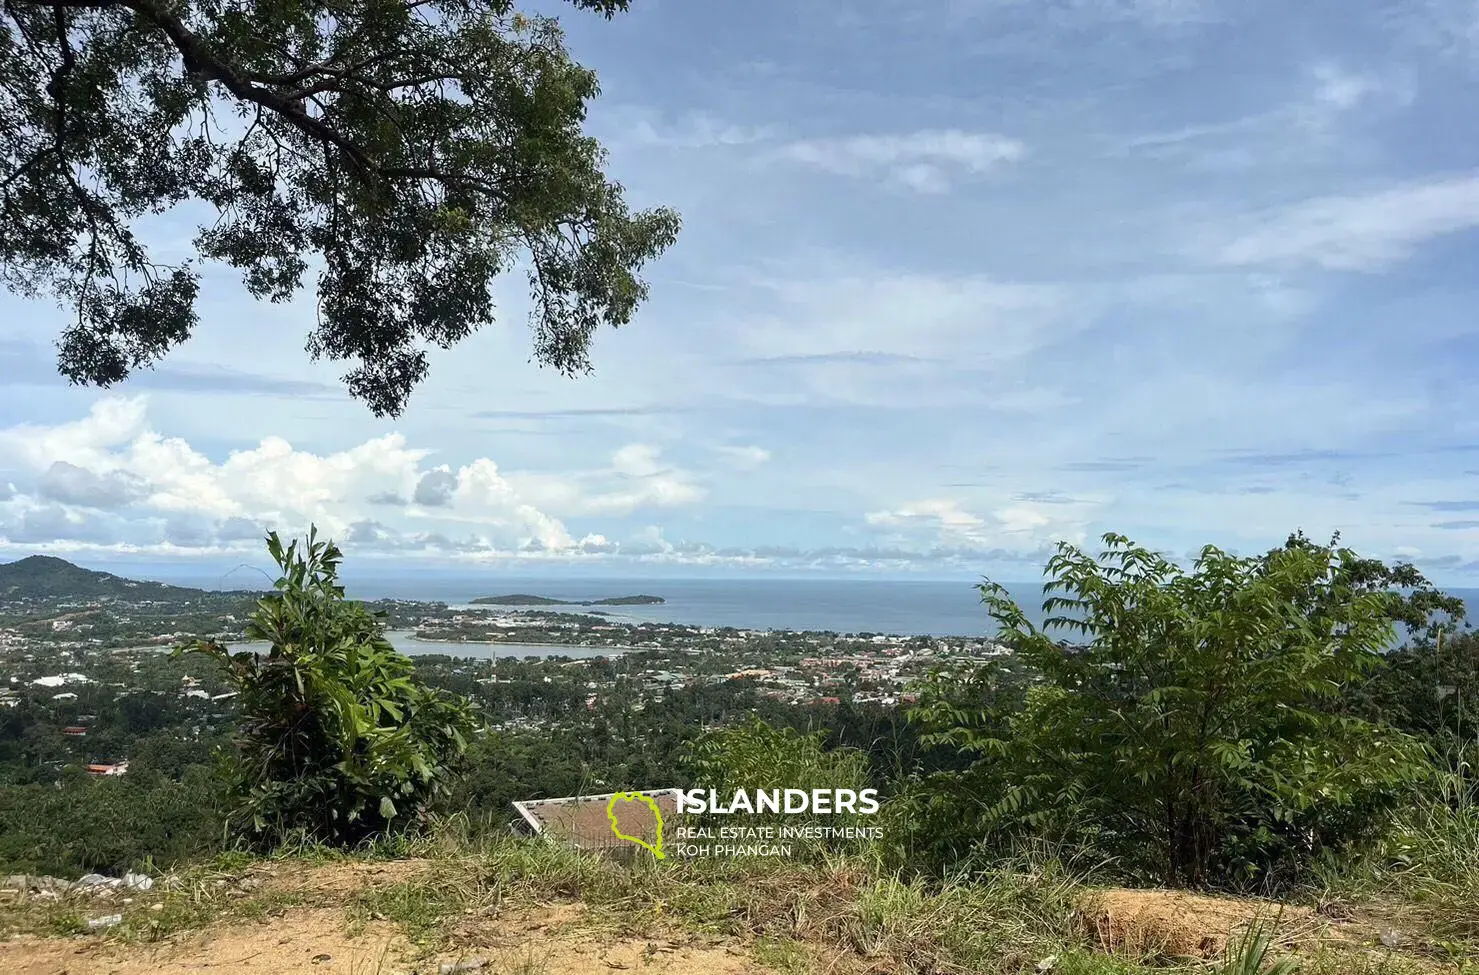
(202, 62)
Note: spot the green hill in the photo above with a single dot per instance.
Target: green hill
(518, 599)
(48, 577)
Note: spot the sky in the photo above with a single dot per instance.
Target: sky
(958, 280)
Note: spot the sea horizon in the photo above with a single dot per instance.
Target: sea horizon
(904, 607)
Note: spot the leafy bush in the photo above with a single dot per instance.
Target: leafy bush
(1429, 689)
(753, 755)
(338, 740)
(1199, 726)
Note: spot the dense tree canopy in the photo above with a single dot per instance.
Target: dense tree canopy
(405, 151)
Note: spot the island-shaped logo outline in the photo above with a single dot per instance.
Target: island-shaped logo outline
(656, 846)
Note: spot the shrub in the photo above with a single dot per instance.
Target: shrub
(754, 755)
(1199, 722)
(337, 739)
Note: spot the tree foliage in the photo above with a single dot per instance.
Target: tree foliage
(405, 151)
(1199, 720)
(1430, 689)
(87, 825)
(338, 740)
(753, 755)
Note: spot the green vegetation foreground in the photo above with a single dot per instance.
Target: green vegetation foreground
(1235, 725)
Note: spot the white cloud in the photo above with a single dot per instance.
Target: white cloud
(110, 422)
(647, 482)
(924, 161)
(695, 130)
(911, 315)
(744, 457)
(1019, 524)
(1324, 119)
(112, 457)
(942, 513)
(1357, 232)
(637, 478)
(485, 497)
(1344, 90)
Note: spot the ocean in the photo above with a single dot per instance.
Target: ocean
(910, 607)
(844, 606)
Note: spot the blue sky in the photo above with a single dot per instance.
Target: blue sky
(958, 279)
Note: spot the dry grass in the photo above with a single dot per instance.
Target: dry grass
(533, 907)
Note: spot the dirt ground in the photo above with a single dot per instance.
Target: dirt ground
(321, 922)
(311, 940)
(320, 935)
(1175, 923)
(319, 941)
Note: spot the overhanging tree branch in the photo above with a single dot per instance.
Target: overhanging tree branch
(417, 148)
(204, 63)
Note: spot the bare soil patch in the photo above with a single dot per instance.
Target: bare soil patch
(339, 879)
(302, 940)
(1177, 924)
(320, 936)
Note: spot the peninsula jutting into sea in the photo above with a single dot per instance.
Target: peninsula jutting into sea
(61, 624)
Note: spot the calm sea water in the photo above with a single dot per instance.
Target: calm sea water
(844, 606)
(912, 607)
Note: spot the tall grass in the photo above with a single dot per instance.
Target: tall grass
(1425, 872)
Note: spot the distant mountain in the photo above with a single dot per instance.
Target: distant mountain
(48, 577)
(524, 599)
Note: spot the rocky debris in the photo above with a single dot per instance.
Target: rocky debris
(129, 881)
(98, 923)
(23, 882)
(93, 884)
(463, 967)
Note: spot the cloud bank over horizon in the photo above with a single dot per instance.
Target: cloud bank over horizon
(956, 283)
(110, 486)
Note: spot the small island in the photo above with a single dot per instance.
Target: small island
(524, 599)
